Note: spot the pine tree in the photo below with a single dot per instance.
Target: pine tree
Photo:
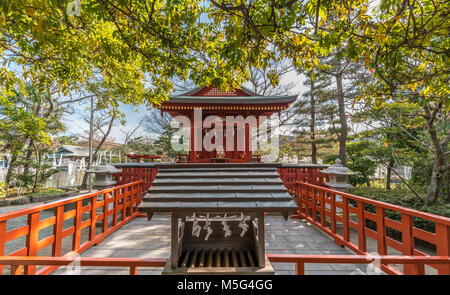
(317, 118)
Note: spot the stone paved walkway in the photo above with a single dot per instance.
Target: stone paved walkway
(141, 239)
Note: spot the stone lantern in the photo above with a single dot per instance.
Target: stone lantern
(103, 174)
(338, 176)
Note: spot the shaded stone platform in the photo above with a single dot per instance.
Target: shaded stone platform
(143, 239)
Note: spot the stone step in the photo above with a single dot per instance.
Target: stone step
(217, 169)
(223, 196)
(216, 181)
(209, 176)
(216, 165)
(214, 187)
(212, 175)
(220, 206)
(206, 188)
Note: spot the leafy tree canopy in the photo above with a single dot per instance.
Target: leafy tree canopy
(137, 47)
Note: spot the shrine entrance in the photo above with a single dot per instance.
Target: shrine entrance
(247, 107)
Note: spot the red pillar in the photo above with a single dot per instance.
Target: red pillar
(248, 156)
(192, 153)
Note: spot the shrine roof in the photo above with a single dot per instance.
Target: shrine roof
(197, 91)
(233, 99)
(239, 95)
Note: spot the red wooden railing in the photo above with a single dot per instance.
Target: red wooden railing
(132, 173)
(326, 209)
(17, 262)
(291, 175)
(123, 199)
(300, 260)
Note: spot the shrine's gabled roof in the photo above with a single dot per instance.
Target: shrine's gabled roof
(233, 99)
(198, 91)
(242, 95)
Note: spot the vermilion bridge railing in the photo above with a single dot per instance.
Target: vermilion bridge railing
(119, 202)
(290, 175)
(314, 201)
(327, 209)
(130, 173)
(299, 260)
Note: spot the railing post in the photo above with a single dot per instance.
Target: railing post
(133, 193)
(93, 218)
(116, 205)
(313, 205)
(361, 227)
(381, 230)
(323, 215)
(408, 246)
(32, 240)
(133, 270)
(297, 193)
(105, 212)
(306, 200)
(333, 212)
(77, 225)
(2, 241)
(443, 246)
(299, 188)
(16, 270)
(57, 230)
(299, 268)
(138, 198)
(314, 175)
(124, 201)
(346, 231)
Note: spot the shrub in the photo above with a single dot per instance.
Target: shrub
(3, 190)
(404, 198)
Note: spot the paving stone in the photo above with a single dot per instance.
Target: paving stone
(341, 251)
(317, 266)
(147, 253)
(96, 252)
(279, 251)
(328, 272)
(350, 267)
(307, 252)
(149, 272)
(282, 272)
(322, 246)
(142, 239)
(283, 266)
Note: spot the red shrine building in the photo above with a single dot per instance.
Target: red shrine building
(215, 102)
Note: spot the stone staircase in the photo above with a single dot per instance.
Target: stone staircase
(212, 185)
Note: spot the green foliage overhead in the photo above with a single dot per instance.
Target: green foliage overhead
(137, 47)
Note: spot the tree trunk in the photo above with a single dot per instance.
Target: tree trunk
(435, 181)
(91, 144)
(388, 174)
(342, 117)
(11, 166)
(99, 146)
(38, 168)
(313, 125)
(439, 154)
(28, 156)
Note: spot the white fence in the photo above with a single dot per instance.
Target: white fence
(63, 178)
